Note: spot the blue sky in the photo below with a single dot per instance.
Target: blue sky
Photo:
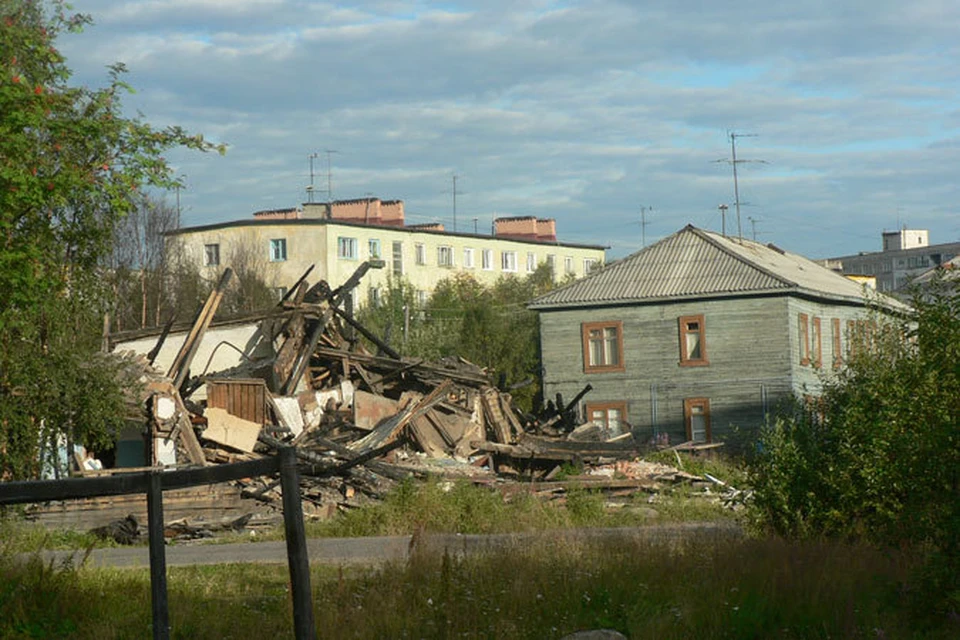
(581, 111)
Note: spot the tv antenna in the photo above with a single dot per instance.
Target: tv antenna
(643, 225)
(330, 152)
(312, 156)
(733, 135)
(753, 224)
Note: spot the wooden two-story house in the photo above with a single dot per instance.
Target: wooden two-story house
(698, 334)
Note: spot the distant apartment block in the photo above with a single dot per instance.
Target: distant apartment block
(906, 254)
(337, 236)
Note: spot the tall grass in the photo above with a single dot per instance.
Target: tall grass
(702, 588)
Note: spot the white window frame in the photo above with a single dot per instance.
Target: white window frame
(211, 255)
(278, 250)
(531, 262)
(508, 261)
(347, 248)
(568, 266)
(445, 256)
(487, 259)
(589, 264)
(468, 258)
(373, 247)
(397, 255)
(420, 253)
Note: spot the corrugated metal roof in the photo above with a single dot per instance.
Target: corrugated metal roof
(694, 263)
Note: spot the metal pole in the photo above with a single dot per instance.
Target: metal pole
(736, 188)
(299, 561)
(158, 559)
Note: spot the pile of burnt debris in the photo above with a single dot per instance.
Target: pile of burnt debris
(362, 420)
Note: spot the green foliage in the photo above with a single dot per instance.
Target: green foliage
(71, 166)
(879, 456)
(489, 326)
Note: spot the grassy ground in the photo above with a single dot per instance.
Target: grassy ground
(703, 589)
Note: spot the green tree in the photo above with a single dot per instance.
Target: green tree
(71, 166)
(878, 457)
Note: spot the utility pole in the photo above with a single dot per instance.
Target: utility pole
(310, 188)
(643, 225)
(723, 219)
(734, 162)
(455, 176)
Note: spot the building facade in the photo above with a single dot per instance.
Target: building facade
(906, 254)
(699, 334)
(336, 237)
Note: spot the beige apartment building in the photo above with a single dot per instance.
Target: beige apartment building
(336, 237)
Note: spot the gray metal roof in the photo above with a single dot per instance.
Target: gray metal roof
(693, 263)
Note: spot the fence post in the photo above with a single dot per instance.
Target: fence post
(303, 625)
(158, 559)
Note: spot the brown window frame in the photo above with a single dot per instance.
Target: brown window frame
(837, 348)
(605, 407)
(803, 328)
(685, 360)
(688, 405)
(585, 329)
(817, 342)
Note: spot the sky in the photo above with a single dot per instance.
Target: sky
(614, 118)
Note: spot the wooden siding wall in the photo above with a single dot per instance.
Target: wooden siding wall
(242, 398)
(748, 345)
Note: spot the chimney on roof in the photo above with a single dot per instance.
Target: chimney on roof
(526, 228)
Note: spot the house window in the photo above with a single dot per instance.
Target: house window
(347, 248)
(508, 260)
(693, 341)
(398, 258)
(803, 324)
(374, 247)
(211, 255)
(552, 263)
(487, 259)
(374, 297)
(837, 352)
(445, 256)
(421, 254)
(568, 266)
(468, 258)
(602, 346)
(531, 262)
(610, 416)
(816, 343)
(696, 416)
(589, 264)
(278, 250)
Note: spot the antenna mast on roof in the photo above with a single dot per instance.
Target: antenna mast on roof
(734, 162)
(643, 225)
(310, 187)
(329, 152)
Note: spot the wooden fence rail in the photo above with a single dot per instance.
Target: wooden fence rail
(153, 483)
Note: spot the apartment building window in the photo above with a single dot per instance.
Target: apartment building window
(531, 262)
(468, 258)
(693, 341)
(278, 250)
(508, 260)
(374, 248)
(568, 266)
(589, 264)
(421, 254)
(552, 263)
(398, 258)
(280, 293)
(696, 417)
(445, 256)
(837, 353)
(375, 297)
(421, 298)
(803, 326)
(610, 416)
(487, 259)
(815, 343)
(602, 346)
(347, 248)
(211, 255)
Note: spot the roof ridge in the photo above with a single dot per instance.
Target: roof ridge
(705, 235)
